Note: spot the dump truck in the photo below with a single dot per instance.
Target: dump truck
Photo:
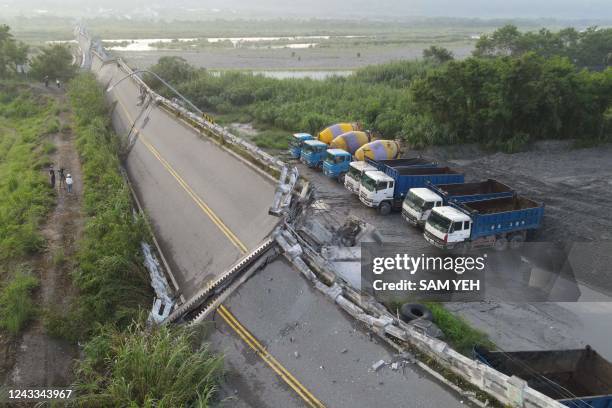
(575, 377)
(495, 223)
(387, 190)
(357, 169)
(313, 153)
(331, 132)
(378, 150)
(296, 143)
(421, 200)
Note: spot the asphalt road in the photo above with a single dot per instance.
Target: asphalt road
(207, 207)
(325, 349)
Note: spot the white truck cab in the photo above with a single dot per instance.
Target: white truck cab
(375, 188)
(352, 179)
(418, 205)
(447, 227)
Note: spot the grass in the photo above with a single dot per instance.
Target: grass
(457, 331)
(25, 194)
(158, 366)
(16, 306)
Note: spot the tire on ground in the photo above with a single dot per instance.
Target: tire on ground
(412, 311)
(384, 208)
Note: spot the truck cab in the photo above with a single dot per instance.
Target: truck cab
(313, 153)
(447, 227)
(418, 204)
(375, 188)
(296, 143)
(356, 170)
(336, 163)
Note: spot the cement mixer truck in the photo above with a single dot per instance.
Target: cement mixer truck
(355, 149)
(313, 154)
(341, 151)
(296, 143)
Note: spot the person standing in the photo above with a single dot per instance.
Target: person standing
(46, 81)
(52, 177)
(62, 177)
(69, 182)
(57, 82)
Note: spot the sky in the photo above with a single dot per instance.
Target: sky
(336, 9)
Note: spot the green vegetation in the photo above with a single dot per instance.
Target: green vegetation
(25, 196)
(589, 48)
(458, 332)
(16, 306)
(110, 276)
(146, 367)
(54, 62)
(502, 103)
(12, 53)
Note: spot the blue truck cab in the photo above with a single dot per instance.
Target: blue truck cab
(336, 163)
(296, 142)
(497, 223)
(387, 190)
(313, 153)
(421, 200)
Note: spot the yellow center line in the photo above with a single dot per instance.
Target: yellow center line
(242, 332)
(249, 339)
(196, 198)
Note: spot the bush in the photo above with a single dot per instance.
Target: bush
(158, 366)
(16, 306)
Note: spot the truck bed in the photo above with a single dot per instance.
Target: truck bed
(467, 189)
(502, 215)
(576, 378)
(499, 205)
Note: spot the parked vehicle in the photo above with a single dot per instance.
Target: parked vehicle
(357, 169)
(497, 223)
(296, 143)
(313, 153)
(336, 163)
(378, 150)
(575, 378)
(331, 132)
(421, 200)
(350, 141)
(387, 190)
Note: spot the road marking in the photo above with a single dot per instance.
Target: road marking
(194, 196)
(230, 319)
(282, 372)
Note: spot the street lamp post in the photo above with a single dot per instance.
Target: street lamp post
(110, 88)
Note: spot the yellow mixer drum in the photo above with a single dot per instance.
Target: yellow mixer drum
(330, 133)
(378, 150)
(350, 141)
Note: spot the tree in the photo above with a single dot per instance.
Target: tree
(437, 54)
(12, 53)
(55, 62)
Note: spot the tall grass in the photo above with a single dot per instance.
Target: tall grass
(16, 306)
(147, 367)
(25, 196)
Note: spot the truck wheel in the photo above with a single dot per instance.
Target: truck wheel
(384, 208)
(516, 241)
(341, 178)
(501, 244)
(412, 311)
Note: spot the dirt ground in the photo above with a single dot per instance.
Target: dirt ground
(39, 360)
